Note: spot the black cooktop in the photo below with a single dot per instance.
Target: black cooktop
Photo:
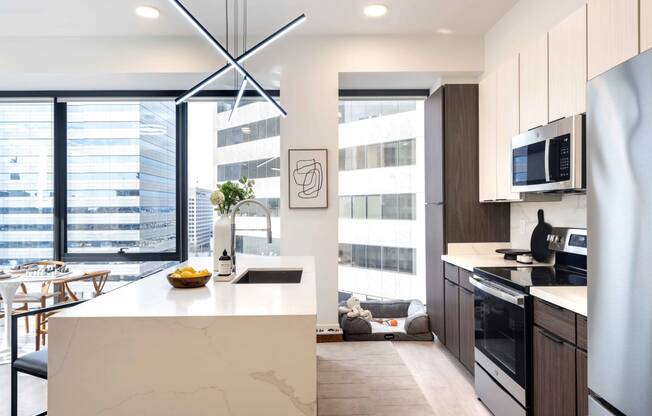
(523, 278)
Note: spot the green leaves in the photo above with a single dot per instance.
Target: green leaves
(234, 192)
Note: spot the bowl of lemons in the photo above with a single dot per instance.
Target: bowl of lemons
(187, 277)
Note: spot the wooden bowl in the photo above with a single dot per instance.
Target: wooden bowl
(188, 282)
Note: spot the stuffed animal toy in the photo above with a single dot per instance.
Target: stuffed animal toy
(354, 310)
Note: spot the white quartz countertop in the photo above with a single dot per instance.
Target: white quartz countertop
(469, 261)
(154, 297)
(573, 298)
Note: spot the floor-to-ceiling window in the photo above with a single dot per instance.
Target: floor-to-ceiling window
(226, 147)
(121, 176)
(26, 181)
(381, 226)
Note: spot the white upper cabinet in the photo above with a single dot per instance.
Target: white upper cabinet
(567, 67)
(507, 126)
(613, 33)
(487, 137)
(534, 84)
(646, 25)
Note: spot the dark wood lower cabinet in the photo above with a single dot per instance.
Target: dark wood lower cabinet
(452, 317)
(582, 384)
(467, 329)
(553, 375)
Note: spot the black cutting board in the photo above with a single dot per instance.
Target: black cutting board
(539, 241)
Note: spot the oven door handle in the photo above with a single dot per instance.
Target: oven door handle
(501, 293)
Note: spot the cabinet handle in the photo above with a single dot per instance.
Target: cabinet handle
(552, 337)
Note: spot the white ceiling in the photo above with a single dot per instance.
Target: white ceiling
(325, 17)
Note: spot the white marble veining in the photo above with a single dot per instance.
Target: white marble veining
(469, 261)
(227, 349)
(573, 298)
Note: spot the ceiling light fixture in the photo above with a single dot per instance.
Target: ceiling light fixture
(238, 98)
(375, 10)
(217, 74)
(148, 12)
(444, 31)
(226, 55)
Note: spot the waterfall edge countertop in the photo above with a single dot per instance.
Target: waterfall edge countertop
(153, 296)
(147, 348)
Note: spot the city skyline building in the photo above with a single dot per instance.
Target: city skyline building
(381, 189)
(200, 221)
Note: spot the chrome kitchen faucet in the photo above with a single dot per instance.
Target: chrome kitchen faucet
(233, 229)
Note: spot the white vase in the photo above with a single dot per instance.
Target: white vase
(221, 238)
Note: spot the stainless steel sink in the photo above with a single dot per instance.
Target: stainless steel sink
(267, 276)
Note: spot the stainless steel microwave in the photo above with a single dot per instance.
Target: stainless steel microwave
(550, 158)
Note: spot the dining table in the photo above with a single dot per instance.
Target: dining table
(8, 288)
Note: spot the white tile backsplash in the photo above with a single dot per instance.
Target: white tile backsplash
(569, 212)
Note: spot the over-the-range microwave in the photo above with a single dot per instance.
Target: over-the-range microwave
(550, 158)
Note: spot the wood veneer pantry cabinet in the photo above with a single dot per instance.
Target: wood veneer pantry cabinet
(453, 212)
(613, 33)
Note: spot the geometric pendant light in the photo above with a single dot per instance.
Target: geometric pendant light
(233, 63)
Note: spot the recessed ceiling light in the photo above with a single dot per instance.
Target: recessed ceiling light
(148, 12)
(375, 10)
(444, 31)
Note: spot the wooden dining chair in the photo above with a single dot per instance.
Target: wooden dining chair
(98, 278)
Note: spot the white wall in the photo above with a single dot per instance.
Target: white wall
(307, 69)
(527, 20)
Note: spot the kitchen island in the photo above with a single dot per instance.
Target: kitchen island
(224, 349)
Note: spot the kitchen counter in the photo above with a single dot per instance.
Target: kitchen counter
(154, 297)
(573, 298)
(469, 261)
(149, 349)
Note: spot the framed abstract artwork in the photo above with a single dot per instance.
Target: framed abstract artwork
(308, 178)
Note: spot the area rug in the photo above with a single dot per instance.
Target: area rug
(366, 378)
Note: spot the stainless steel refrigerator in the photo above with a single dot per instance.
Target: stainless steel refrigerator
(619, 153)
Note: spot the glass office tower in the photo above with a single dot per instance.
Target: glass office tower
(26, 181)
(121, 177)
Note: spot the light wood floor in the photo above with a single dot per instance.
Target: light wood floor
(446, 385)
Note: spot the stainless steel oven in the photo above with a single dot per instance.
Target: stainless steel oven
(501, 346)
(550, 157)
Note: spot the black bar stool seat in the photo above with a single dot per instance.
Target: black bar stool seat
(33, 363)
